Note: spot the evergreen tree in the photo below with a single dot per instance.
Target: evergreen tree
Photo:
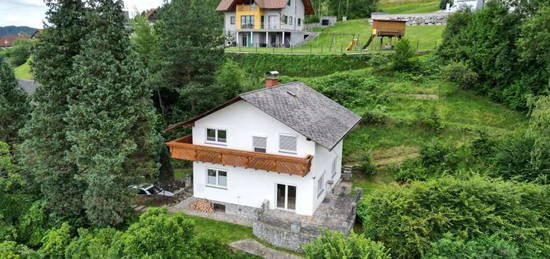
(14, 108)
(111, 116)
(191, 51)
(44, 151)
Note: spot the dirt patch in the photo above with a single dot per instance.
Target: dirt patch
(424, 96)
(394, 155)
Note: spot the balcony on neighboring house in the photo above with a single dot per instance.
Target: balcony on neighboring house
(183, 148)
(247, 8)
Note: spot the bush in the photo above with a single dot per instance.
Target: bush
(427, 116)
(436, 158)
(93, 244)
(334, 245)
(443, 4)
(12, 250)
(482, 247)
(56, 241)
(460, 74)
(403, 57)
(376, 116)
(483, 146)
(366, 166)
(408, 219)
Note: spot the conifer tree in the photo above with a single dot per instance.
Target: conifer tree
(14, 108)
(44, 151)
(111, 116)
(191, 51)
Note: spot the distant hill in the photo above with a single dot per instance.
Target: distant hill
(14, 30)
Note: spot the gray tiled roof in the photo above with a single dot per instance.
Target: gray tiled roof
(305, 110)
(28, 85)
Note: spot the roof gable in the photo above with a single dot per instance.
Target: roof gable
(301, 108)
(229, 5)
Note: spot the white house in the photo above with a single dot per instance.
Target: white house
(279, 147)
(264, 23)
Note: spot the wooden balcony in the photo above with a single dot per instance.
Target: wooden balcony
(183, 148)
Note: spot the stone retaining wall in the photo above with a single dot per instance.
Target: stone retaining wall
(438, 18)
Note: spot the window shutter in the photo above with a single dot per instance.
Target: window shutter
(259, 142)
(287, 143)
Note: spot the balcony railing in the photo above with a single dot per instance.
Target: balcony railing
(183, 148)
(246, 8)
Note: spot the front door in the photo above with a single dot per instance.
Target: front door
(286, 197)
(244, 39)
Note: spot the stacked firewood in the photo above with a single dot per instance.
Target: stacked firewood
(203, 205)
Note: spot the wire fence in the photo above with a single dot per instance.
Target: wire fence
(340, 44)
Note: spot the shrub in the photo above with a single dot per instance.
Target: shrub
(403, 57)
(482, 247)
(428, 116)
(93, 244)
(12, 250)
(19, 53)
(158, 235)
(376, 116)
(366, 166)
(436, 158)
(483, 146)
(334, 245)
(460, 74)
(408, 219)
(56, 241)
(443, 4)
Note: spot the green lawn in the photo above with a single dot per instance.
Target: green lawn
(23, 71)
(227, 232)
(335, 39)
(409, 7)
(180, 173)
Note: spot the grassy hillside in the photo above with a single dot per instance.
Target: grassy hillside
(413, 6)
(407, 104)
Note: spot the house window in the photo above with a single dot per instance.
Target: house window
(286, 197)
(232, 20)
(320, 185)
(299, 22)
(287, 144)
(247, 21)
(334, 165)
(289, 2)
(285, 19)
(216, 136)
(259, 144)
(216, 178)
(290, 19)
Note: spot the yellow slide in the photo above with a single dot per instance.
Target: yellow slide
(352, 44)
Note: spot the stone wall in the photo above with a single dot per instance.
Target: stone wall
(438, 18)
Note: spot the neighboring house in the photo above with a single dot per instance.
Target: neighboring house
(37, 34)
(9, 41)
(29, 86)
(152, 15)
(465, 4)
(279, 147)
(264, 23)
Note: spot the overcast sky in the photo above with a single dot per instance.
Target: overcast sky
(32, 12)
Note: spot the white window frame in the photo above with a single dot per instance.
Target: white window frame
(254, 147)
(321, 185)
(232, 20)
(216, 141)
(286, 197)
(334, 166)
(294, 152)
(217, 185)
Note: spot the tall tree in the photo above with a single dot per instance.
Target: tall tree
(45, 147)
(191, 50)
(111, 116)
(14, 108)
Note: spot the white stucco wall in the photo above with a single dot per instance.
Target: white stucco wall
(242, 121)
(251, 187)
(296, 10)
